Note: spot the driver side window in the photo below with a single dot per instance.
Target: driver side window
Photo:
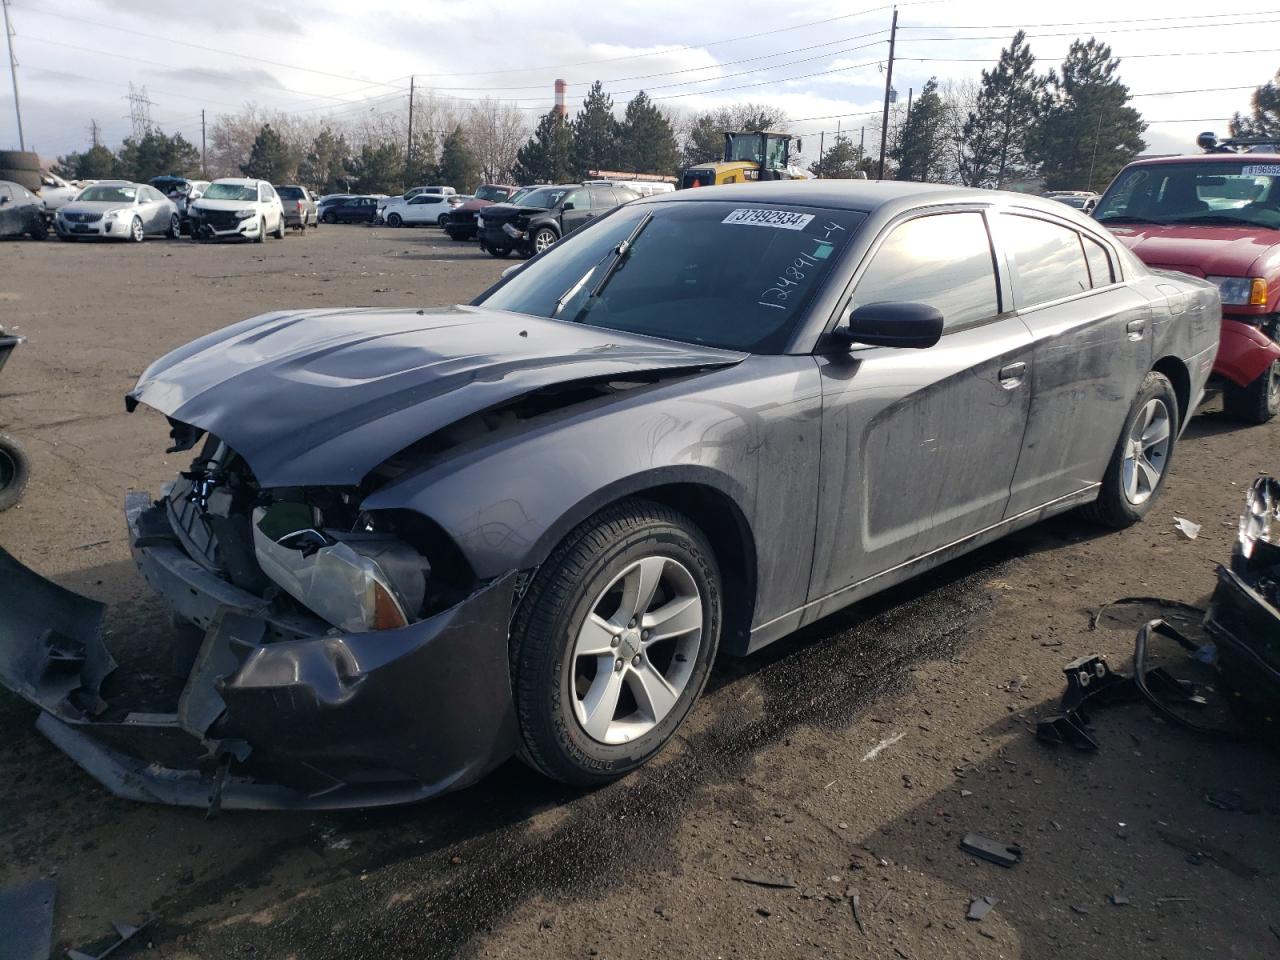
(944, 260)
(579, 198)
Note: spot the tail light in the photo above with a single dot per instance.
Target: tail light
(299, 203)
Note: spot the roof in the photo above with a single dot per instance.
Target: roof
(239, 181)
(1209, 158)
(864, 195)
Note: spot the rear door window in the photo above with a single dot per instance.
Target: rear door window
(1049, 259)
(944, 260)
(602, 199)
(1101, 269)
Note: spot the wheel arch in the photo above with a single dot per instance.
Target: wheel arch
(1176, 371)
(708, 502)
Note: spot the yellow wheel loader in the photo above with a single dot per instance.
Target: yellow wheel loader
(760, 155)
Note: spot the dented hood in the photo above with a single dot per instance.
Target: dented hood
(321, 397)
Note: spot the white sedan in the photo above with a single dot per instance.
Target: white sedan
(424, 208)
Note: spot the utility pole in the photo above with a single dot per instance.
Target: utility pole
(93, 132)
(822, 153)
(862, 143)
(408, 153)
(204, 157)
(888, 87)
(13, 72)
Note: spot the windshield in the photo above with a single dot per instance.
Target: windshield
(715, 273)
(1077, 202)
(231, 191)
(546, 197)
(109, 194)
(1211, 193)
(491, 193)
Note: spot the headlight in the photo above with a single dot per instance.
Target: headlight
(111, 215)
(356, 581)
(1241, 291)
(245, 214)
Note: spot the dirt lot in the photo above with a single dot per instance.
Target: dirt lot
(776, 775)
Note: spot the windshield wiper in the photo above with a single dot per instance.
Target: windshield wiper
(620, 254)
(1122, 218)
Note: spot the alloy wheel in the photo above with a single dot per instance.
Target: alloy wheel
(136, 232)
(1147, 451)
(543, 239)
(636, 651)
(1273, 386)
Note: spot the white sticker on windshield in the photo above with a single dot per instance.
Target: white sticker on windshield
(1261, 170)
(778, 219)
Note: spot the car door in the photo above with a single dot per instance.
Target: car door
(10, 212)
(602, 201)
(919, 447)
(266, 209)
(157, 211)
(575, 210)
(418, 210)
(1092, 349)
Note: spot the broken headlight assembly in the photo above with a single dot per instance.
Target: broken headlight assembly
(357, 581)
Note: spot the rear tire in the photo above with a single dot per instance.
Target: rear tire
(329, 218)
(596, 697)
(279, 231)
(1140, 463)
(1259, 401)
(39, 231)
(175, 227)
(15, 469)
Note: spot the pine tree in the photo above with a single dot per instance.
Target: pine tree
(326, 165)
(923, 138)
(1010, 101)
(596, 134)
(379, 168)
(648, 142)
(157, 154)
(420, 167)
(1086, 134)
(1264, 117)
(96, 163)
(270, 158)
(458, 165)
(841, 161)
(548, 156)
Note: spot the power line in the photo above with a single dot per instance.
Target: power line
(1076, 33)
(1093, 23)
(1117, 56)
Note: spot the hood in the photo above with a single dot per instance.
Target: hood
(475, 203)
(95, 206)
(203, 204)
(317, 397)
(498, 212)
(1202, 251)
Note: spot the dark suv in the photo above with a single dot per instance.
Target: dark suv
(349, 210)
(543, 215)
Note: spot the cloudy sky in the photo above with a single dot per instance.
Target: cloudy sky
(821, 60)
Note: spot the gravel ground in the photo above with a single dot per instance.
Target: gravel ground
(848, 760)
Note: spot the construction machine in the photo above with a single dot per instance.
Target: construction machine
(757, 155)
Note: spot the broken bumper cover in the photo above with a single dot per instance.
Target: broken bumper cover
(325, 722)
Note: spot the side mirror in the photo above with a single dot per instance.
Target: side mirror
(3, 201)
(909, 325)
(567, 207)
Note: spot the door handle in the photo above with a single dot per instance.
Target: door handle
(1135, 329)
(1011, 374)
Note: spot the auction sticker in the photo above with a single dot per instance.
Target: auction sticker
(778, 219)
(1254, 170)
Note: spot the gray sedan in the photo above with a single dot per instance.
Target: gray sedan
(413, 544)
(119, 210)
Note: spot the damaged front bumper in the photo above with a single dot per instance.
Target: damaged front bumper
(276, 712)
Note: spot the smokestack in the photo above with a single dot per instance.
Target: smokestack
(560, 107)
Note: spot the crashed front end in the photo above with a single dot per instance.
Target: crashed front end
(325, 664)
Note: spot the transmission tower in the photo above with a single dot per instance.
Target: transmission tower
(95, 136)
(139, 110)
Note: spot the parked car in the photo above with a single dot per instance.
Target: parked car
(425, 208)
(461, 222)
(645, 188)
(183, 192)
(441, 190)
(527, 525)
(56, 193)
(1082, 200)
(300, 209)
(235, 207)
(21, 212)
(1215, 216)
(349, 210)
(118, 210)
(543, 216)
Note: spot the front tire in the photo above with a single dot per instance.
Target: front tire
(136, 233)
(543, 238)
(614, 641)
(1259, 401)
(15, 468)
(394, 220)
(175, 227)
(1140, 462)
(330, 218)
(262, 231)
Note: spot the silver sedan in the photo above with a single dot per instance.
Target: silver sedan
(120, 210)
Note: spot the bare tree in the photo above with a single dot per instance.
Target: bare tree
(496, 131)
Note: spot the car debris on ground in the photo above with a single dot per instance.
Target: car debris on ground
(26, 920)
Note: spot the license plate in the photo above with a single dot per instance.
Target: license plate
(80, 227)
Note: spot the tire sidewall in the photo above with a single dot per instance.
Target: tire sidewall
(136, 233)
(587, 758)
(1154, 387)
(394, 220)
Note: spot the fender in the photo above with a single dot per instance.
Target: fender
(1244, 352)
